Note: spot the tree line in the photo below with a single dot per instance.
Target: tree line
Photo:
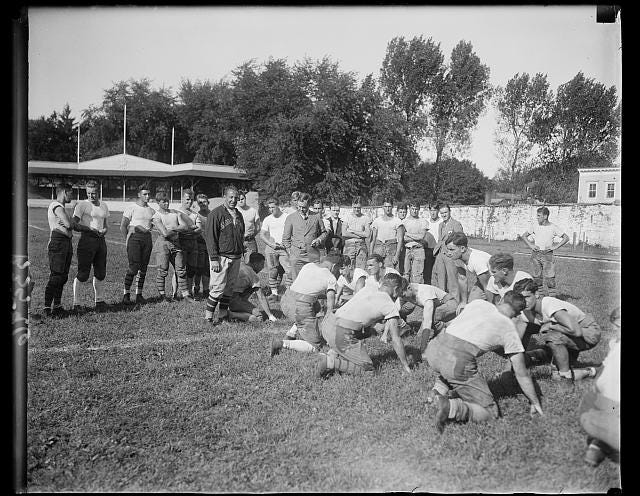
(312, 126)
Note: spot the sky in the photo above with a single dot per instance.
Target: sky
(77, 53)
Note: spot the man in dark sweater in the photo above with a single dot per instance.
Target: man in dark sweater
(224, 236)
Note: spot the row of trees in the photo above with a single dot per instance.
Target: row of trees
(313, 127)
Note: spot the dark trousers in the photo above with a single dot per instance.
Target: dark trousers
(429, 260)
(60, 251)
(91, 250)
(139, 247)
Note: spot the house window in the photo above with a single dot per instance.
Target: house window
(611, 190)
(592, 190)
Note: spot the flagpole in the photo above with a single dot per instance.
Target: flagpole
(124, 143)
(78, 143)
(173, 135)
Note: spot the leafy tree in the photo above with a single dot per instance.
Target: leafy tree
(457, 104)
(463, 184)
(520, 104)
(53, 138)
(206, 116)
(583, 127)
(151, 115)
(411, 72)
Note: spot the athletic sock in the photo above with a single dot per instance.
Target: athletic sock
(98, 289)
(566, 374)
(76, 284)
(299, 345)
(293, 331)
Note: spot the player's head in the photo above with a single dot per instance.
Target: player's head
(500, 265)
(414, 207)
(242, 198)
(528, 288)
(445, 212)
(401, 212)
(347, 267)
(143, 193)
(393, 284)
(203, 201)
(64, 192)
(273, 204)
(375, 262)
(303, 202)
(318, 206)
(512, 304)
(333, 263)
(335, 210)
(356, 205)
(295, 196)
(457, 245)
(187, 198)
(543, 214)
(387, 206)
(434, 210)
(256, 261)
(162, 199)
(91, 188)
(231, 195)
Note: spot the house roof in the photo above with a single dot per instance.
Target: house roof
(599, 170)
(130, 165)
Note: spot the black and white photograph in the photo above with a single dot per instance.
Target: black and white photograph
(296, 249)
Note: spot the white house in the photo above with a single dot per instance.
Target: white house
(599, 185)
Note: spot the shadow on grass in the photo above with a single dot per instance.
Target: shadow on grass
(413, 353)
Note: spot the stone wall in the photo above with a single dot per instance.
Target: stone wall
(597, 224)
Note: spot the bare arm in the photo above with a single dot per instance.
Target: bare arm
(400, 239)
(262, 300)
(124, 226)
(427, 315)
(359, 284)
(63, 218)
(396, 342)
(331, 299)
(374, 236)
(524, 380)
(563, 241)
(264, 236)
(525, 238)
(81, 227)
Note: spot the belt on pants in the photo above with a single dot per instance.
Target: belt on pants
(349, 324)
(412, 246)
(386, 241)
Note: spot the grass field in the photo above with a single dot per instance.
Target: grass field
(153, 399)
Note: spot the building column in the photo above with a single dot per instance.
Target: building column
(100, 189)
(124, 189)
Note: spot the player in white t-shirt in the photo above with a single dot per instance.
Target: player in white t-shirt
(542, 248)
(274, 251)
(59, 250)
(387, 235)
(415, 239)
(251, 225)
(564, 329)
(503, 277)
(90, 219)
(356, 231)
(453, 354)
(349, 277)
(247, 284)
(345, 330)
(476, 263)
(136, 224)
(432, 238)
(315, 280)
(376, 270)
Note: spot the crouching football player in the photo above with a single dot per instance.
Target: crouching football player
(346, 330)
(480, 327)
